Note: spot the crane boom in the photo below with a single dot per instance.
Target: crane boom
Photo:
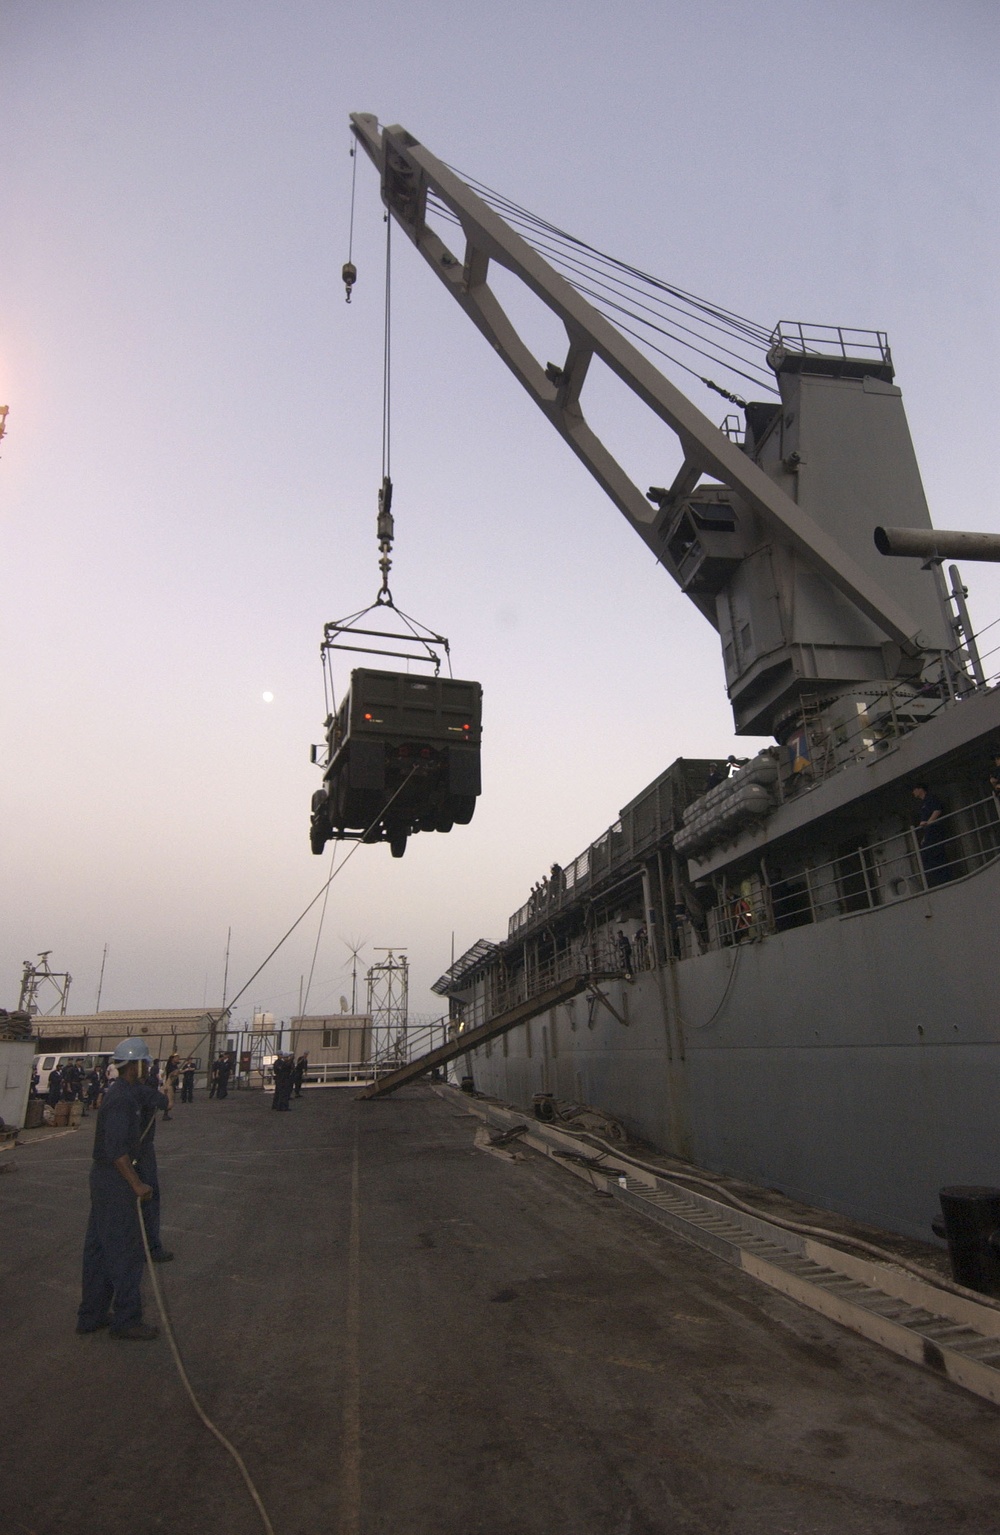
(771, 546)
(408, 172)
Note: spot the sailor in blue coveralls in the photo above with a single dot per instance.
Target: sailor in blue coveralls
(113, 1253)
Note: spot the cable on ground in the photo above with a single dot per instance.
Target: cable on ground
(929, 1276)
(168, 1330)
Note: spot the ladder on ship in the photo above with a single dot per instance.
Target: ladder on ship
(560, 991)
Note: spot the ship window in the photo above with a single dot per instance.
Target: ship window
(331, 1039)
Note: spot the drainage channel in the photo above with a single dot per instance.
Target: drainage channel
(948, 1334)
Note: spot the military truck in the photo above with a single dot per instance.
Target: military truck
(402, 756)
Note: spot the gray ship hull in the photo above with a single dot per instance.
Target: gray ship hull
(853, 1064)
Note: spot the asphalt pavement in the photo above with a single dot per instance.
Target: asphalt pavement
(404, 1333)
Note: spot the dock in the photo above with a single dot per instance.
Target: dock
(404, 1327)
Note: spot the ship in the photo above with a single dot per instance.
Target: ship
(776, 968)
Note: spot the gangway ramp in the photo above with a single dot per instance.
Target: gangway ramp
(470, 1039)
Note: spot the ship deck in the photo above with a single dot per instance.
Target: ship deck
(402, 1331)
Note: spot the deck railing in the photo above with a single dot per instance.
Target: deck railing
(866, 877)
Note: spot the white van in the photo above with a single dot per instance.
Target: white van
(48, 1061)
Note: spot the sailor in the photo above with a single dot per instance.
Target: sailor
(931, 836)
(112, 1252)
(187, 1082)
(282, 1083)
(299, 1073)
(55, 1087)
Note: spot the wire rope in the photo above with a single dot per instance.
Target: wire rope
(737, 321)
(604, 280)
(617, 288)
(387, 354)
(175, 1351)
(354, 179)
(319, 930)
(323, 888)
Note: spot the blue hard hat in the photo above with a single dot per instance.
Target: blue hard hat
(131, 1050)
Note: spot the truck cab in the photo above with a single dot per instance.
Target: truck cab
(402, 756)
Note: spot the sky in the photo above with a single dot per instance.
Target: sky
(188, 483)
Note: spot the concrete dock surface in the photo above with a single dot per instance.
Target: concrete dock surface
(403, 1333)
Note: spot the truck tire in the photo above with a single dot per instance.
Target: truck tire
(397, 843)
(463, 808)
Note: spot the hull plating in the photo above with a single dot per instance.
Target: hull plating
(853, 1064)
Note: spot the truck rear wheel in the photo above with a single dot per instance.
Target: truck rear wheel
(397, 843)
(463, 808)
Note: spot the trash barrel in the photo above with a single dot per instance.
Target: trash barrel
(972, 1228)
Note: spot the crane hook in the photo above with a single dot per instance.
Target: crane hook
(350, 276)
(385, 530)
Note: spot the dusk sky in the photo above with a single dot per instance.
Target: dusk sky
(188, 483)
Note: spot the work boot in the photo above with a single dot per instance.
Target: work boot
(135, 1332)
(85, 1327)
(162, 1256)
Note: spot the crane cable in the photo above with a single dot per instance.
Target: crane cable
(387, 354)
(320, 892)
(319, 930)
(350, 271)
(583, 264)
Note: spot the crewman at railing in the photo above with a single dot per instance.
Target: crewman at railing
(931, 836)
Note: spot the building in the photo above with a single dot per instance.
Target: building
(190, 1031)
(340, 1039)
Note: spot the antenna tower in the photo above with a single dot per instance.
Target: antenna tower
(32, 981)
(388, 1004)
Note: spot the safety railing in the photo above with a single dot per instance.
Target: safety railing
(509, 981)
(872, 875)
(831, 340)
(641, 828)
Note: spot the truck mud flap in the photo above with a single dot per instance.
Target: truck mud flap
(464, 775)
(366, 768)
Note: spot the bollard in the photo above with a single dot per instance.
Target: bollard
(972, 1228)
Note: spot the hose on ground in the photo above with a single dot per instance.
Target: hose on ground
(168, 1330)
(800, 1228)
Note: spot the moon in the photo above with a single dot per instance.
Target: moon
(268, 698)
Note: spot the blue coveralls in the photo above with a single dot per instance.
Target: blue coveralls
(151, 1099)
(113, 1254)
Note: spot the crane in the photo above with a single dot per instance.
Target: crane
(770, 538)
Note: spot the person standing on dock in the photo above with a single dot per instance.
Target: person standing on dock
(187, 1082)
(298, 1074)
(112, 1253)
(282, 1069)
